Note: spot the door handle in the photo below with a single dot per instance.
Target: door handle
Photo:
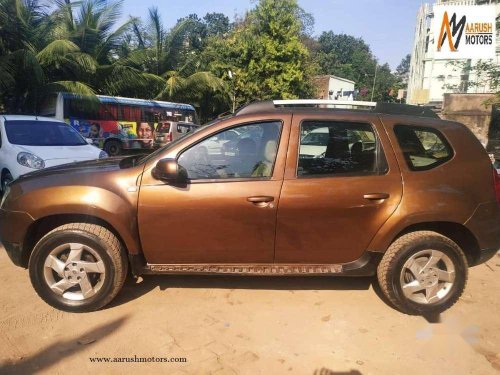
(260, 199)
(376, 196)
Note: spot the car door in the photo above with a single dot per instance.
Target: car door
(332, 204)
(226, 214)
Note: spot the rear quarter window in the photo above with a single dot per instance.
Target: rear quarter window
(423, 148)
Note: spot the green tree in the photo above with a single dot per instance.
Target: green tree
(217, 24)
(175, 55)
(350, 57)
(34, 62)
(403, 68)
(265, 54)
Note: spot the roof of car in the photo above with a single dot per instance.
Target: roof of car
(313, 105)
(26, 117)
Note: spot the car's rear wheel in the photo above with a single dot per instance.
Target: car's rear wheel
(113, 147)
(423, 272)
(78, 267)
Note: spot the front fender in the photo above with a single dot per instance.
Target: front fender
(118, 207)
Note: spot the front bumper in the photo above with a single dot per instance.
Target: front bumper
(15, 253)
(13, 229)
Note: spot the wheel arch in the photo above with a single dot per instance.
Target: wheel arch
(43, 225)
(5, 170)
(458, 233)
(3, 173)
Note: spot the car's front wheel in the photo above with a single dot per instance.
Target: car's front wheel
(423, 272)
(78, 267)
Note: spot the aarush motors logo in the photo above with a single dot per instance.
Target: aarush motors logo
(465, 31)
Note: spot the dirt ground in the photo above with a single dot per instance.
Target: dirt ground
(233, 325)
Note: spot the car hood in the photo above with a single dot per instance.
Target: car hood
(71, 153)
(75, 170)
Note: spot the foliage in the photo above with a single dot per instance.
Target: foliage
(350, 57)
(484, 73)
(264, 53)
(403, 70)
(82, 47)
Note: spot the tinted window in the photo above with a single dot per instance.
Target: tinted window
(251, 154)
(183, 129)
(42, 133)
(339, 148)
(423, 148)
(163, 128)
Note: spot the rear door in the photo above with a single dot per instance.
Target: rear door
(335, 199)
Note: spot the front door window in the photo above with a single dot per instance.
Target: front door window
(247, 151)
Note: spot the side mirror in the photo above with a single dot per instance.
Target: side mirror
(90, 141)
(170, 172)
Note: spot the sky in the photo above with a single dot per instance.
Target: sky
(386, 25)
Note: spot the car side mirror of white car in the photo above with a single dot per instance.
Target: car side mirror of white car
(90, 141)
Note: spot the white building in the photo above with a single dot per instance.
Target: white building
(334, 88)
(430, 77)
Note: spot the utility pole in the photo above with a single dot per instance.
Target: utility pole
(231, 74)
(374, 79)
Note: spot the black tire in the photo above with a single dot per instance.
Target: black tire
(105, 245)
(113, 147)
(390, 270)
(6, 179)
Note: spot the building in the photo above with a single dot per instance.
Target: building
(431, 78)
(334, 88)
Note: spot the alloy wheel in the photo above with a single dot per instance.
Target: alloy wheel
(427, 276)
(74, 271)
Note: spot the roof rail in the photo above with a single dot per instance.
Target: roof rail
(342, 105)
(298, 102)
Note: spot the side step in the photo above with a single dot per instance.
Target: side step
(246, 269)
(366, 265)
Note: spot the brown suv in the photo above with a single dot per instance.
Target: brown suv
(299, 190)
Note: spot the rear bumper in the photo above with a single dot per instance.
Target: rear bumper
(13, 228)
(485, 225)
(486, 255)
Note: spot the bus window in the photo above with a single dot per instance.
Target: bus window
(130, 113)
(108, 112)
(74, 107)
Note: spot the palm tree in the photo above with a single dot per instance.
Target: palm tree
(158, 52)
(32, 66)
(95, 32)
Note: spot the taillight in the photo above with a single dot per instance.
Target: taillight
(496, 179)
(169, 137)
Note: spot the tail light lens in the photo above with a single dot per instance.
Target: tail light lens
(169, 137)
(496, 179)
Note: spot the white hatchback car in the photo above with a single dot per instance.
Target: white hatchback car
(28, 143)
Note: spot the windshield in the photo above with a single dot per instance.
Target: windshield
(42, 133)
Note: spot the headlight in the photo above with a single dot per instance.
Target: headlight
(4, 197)
(30, 160)
(103, 154)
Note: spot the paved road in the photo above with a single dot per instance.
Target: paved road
(226, 325)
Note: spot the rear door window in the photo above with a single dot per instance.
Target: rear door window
(339, 148)
(423, 148)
